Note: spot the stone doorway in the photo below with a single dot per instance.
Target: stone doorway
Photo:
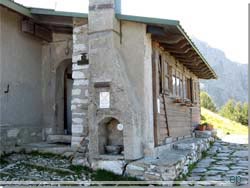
(63, 92)
(111, 137)
(68, 85)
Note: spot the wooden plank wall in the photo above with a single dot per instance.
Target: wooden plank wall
(180, 119)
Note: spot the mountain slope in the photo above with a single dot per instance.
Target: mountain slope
(232, 76)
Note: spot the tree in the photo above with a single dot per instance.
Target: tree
(245, 114)
(228, 109)
(236, 112)
(207, 102)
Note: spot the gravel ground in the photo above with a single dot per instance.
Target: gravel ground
(21, 167)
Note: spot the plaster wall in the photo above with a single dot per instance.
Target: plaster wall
(56, 57)
(136, 51)
(20, 89)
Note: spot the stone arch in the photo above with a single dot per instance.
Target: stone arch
(110, 138)
(61, 84)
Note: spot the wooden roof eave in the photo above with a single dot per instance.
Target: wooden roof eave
(179, 47)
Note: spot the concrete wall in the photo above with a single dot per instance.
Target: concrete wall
(20, 67)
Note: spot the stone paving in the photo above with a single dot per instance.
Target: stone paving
(224, 162)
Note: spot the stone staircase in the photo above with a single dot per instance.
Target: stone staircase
(64, 139)
(172, 162)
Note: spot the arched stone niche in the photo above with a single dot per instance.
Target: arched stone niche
(110, 137)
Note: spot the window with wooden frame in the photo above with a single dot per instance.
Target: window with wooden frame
(184, 87)
(177, 85)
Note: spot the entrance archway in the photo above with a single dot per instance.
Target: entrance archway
(64, 84)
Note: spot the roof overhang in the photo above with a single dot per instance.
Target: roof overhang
(32, 12)
(172, 37)
(55, 21)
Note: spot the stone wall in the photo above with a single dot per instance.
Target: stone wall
(79, 104)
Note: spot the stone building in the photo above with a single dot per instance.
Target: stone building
(119, 86)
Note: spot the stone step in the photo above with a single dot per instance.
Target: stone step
(59, 139)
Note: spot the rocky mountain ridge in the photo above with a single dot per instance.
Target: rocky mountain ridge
(232, 76)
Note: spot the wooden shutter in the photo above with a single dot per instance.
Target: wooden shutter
(170, 82)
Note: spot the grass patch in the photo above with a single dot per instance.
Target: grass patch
(183, 177)
(80, 169)
(204, 154)
(46, 155)
(3, 161)
(50, 170)
(225, 125)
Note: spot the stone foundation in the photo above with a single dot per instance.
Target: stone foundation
(168, 165)
(14, 136)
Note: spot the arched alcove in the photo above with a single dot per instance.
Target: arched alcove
(110, 137)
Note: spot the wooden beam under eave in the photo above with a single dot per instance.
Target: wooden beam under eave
(180, 51)
(168, 38)
(192, 56)
(203, 70)
(189, 60)
(179, 45)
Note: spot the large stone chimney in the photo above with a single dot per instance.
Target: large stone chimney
(110, 97)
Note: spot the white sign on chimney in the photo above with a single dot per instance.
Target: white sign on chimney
(104, 100)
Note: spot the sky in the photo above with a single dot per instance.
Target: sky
(223, 24)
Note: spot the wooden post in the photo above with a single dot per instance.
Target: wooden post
(155, 89)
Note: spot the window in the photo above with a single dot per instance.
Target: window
(177, 86)
(181, 87)
(174, 83)
(184, 88)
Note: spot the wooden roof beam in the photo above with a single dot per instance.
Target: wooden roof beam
(180, 45)
(168, 38)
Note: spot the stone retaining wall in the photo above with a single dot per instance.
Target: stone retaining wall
(168, 165)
